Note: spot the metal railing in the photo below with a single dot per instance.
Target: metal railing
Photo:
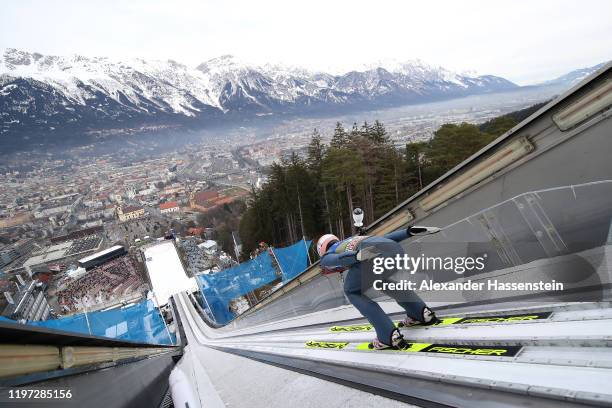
(20, 359)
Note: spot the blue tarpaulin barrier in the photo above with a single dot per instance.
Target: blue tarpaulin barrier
(219, 289)
(140, 322)
(222, 287)
(293, 259)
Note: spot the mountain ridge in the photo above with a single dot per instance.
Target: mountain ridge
(43, 95)
(573, 77)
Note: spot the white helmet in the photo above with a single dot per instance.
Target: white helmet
(324, 243)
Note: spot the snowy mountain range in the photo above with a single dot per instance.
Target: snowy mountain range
(44, 96)
(573, 77)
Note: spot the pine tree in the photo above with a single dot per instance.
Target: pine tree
(452, 144)
(355, 131)
(340, 138)
(378, 133)
(304, 190)
(316, 152)
(343, 170)
(387, 188)
(414, 166)
(319, 201)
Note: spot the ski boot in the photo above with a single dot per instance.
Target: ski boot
(397, 342)
(429, 318)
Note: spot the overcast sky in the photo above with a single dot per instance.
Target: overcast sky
(524, 41)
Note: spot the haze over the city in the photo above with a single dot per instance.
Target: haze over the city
(523, 41)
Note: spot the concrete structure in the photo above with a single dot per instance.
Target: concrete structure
(8, 255)
(57, 205)
(77, 234)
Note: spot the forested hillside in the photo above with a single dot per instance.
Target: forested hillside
(359, 168)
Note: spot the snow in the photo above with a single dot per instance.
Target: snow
(166, 272)
(177, 88)
(179, 85)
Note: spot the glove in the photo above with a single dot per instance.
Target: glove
(367, 254)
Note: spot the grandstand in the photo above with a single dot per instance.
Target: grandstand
(102, 286)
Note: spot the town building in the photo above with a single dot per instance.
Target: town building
(209, 247)
(169, 207)
(130, 213)
(28, 303)
(82, 233)
(11, 252)
(203, 200)
(196, 231)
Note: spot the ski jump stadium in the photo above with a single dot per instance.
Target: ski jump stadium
(538, 200)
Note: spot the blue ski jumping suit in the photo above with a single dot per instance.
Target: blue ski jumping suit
(342, 254)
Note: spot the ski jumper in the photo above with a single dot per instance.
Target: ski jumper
(342, 254)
